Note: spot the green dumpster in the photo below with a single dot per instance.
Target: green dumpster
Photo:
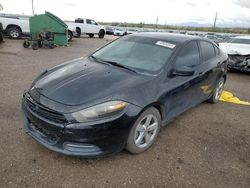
(48, 22)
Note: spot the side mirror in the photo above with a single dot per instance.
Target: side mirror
(183, 71)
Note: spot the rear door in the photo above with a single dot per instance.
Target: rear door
(210, 70)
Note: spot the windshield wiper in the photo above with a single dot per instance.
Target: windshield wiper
(99, 60)
(120, 65)
(112, 63)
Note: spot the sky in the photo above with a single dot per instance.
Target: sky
(231, 13)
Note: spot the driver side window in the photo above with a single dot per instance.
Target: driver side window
(189, 56)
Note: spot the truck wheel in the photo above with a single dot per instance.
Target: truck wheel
(78, 31)
(14, 33)
(70, 35)
(101, 34)
(91, 35)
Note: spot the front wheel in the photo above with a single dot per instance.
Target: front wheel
(101, 34)
(144, 131)
(218, 91)
(91, 35)
(14, 33)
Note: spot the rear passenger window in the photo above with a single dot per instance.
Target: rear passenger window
(189, 56)
(88, 21)
(207, 50)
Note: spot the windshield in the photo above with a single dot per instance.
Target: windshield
(240, 41)
(143, 53)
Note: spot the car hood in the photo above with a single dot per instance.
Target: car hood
(235, 49)
(83, 81)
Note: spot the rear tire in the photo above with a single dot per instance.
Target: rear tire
(78, 31)
(14, 33)
(101, 34)
(91, 35)
(217, 92)
(144, 131)
(70, 35)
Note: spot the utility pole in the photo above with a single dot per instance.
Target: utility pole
(215, 20)
(157, 19)
(32, 7)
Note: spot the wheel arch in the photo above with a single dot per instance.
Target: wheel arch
(13, 25)
(78, 29)
(157, 106)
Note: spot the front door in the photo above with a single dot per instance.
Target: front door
(183, 92)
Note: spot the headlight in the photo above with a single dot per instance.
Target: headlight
(100, 111)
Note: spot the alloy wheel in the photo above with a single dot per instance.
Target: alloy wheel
(146, 131)
(219, 90)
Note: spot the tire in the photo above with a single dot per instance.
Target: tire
(14, 33)
(101, 34)
(40, 44)
(91, 35)
(217, 92)
(34, 45)
(26, 44)
(141, 132)
(78, 31)
(70, 35)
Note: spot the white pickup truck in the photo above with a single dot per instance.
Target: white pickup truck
(88, 27)
(15, 26)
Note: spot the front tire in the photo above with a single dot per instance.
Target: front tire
(144, 131)
(217, 92)
(14, 33)
(91, 35)
(101, 34)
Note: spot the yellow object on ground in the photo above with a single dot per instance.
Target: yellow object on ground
(229, 97)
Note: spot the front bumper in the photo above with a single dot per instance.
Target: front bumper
(80, 139)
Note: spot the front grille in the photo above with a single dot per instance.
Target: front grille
(45, 112)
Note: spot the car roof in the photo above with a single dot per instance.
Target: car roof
(243, 37)
(173, 37)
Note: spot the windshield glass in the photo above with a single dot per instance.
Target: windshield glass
(240, 41)
(147, 54)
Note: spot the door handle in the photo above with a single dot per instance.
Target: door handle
(201, 73)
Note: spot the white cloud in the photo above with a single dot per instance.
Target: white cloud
(168, 11)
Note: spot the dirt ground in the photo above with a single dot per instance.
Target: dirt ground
(208, 146)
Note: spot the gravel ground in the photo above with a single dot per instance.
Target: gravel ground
(208, 146)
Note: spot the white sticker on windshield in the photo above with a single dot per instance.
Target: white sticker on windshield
(165, 44)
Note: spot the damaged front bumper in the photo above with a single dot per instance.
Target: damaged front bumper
(239, 62)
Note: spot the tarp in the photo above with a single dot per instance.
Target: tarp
(229, 97)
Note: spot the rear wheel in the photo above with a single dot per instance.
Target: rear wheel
(70, 35)
(101, 34)
(144, 131)
(78, 31)
(91, 35)
(14, 32)
(218, 91)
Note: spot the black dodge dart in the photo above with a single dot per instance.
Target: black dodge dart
(122, 94)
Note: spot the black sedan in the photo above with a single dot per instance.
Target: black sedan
(121, 95)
